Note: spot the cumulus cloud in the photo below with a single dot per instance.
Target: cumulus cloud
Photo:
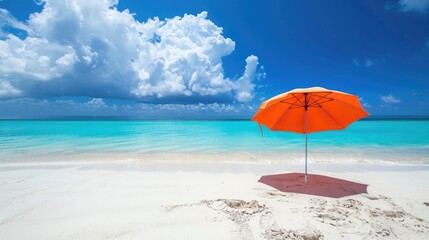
(414, 5)
(107, 53)
(390, 99)
(244, 85)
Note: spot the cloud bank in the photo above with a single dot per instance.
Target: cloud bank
(89, 48)
(36, 108)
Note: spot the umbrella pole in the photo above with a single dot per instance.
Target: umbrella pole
(305, 158)
(305, 130)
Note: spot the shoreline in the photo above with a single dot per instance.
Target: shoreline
(287, 157)
(181, 163)
(213, 200)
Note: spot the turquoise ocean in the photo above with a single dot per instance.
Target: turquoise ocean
(398, 140)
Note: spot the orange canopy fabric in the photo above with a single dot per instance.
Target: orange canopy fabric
(307, 110)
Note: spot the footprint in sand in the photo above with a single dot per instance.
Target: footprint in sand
(395, 215)
(372, 197)
(318, 204)
(383, 217)
(382, 233)
(276, 195)
(351, 204)
(238, 210)
(381, 198)
(335, 213)
(280, 234)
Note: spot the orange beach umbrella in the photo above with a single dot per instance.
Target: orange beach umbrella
(308, 110)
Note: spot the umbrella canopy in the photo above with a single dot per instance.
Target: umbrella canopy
(308, 110)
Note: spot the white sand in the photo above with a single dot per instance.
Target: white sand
(206, 200)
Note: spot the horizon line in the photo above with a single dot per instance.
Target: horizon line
(140, 118)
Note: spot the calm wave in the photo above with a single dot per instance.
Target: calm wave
(383, 140)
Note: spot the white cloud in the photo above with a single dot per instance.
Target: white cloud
(96, 102)
(244, 85)
(6, 19)
(414, 5)
(7, 90)
(390, 99)
(193, 108)
(364, 104)
(367, 62)
(34, 59)
(108, 53)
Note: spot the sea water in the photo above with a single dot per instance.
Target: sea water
(405, 141)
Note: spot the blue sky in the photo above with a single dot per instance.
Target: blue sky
(208, 59)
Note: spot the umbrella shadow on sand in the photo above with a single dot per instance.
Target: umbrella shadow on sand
(318, 185)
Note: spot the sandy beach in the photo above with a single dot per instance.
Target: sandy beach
(198, 120)
(135, 199)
